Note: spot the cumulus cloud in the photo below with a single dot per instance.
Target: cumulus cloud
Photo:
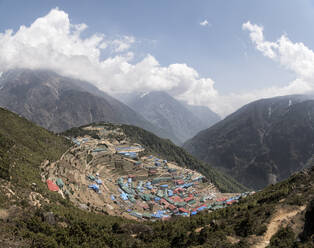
(204, 23)
(52, 42)
(257, 36)
(295, 57)
(123, 44)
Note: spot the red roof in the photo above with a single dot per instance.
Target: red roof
(190, 198)
(52, 186)
(221, 199)
(163, 201)
(176, 198)
(183, 210)
(178, 190)
(131, 176)
(195, 209)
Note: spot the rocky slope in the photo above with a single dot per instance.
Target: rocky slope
(59, 103)
(167, 113)
(263, 142)
(206, 115)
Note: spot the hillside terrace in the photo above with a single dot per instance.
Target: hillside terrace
(109, 175)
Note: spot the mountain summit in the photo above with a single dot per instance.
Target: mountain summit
(59, 103)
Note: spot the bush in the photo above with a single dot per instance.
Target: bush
(42, 241)
(260, 230)
(284, 238)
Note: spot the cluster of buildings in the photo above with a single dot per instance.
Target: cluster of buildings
(144, 187)
(168, 191)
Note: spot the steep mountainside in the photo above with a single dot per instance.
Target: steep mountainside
(203, 113)
(31, 216)
(23, 146)
(58, 103)
(167, 113)
(263, 142)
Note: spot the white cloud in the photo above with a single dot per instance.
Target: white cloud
(123, 44)
(293, 56)
(52, 42)
(204, 23)
(257, 36)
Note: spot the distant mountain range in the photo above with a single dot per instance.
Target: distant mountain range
(165, 112)
(59, 103)
(263, 142)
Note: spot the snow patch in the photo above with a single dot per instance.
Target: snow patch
(144, 94)
(290, 103)
(269, 112)
(1, 86)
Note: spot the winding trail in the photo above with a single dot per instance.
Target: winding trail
(281, 216)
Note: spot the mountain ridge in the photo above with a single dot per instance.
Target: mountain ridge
(59, 103)
(279, 215)
(167, 113)
(261, 143)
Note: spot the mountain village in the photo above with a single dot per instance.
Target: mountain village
(110, 174)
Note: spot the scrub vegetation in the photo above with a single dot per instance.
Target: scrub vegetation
(57, 223)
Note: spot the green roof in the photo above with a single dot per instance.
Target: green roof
(59, 182)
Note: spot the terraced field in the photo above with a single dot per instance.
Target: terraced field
(105, 172)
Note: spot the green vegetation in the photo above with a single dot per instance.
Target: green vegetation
(283, 238)
(89, 158)
(79, 131)
(23, 146)
(5, 145)
(249, 217)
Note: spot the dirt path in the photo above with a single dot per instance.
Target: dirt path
(280, 216)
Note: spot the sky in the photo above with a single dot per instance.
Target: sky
(221, 54)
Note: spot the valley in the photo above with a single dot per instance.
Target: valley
(156, 124)
(107, 173)
(90, 187)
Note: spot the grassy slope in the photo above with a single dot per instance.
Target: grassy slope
(23, 146)
(27, 145)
